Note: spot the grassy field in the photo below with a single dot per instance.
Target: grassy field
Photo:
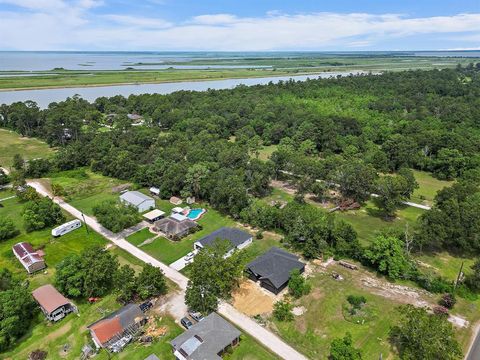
(368, 220)
(12, 143)
(428, 187)
(323, 319)
(168, 251)
(140, 236)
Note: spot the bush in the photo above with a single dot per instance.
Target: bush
(297, 285)
(440, 310)
(7, 229)
(434, 284)
(448, 301)
(282, 310)
(356, 301)
(115, 216)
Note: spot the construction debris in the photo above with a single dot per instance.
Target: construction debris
(348, 265)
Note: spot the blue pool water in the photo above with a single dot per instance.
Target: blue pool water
(194, 213)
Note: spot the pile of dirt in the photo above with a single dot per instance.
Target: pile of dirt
(251, 300)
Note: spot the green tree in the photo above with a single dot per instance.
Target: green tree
(91, 273)
(195, 180)
(116, 216)
(124, 283)
(41, 213)
(18, 163)
(297, 285)
(7, 229)
(343, 349)
(473, 279)
(387, 254)
(203, 291)
(17, 309)
(4, 178)
(421, 335)
(356, 180)
(150, 282)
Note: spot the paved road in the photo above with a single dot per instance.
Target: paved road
(474, 350)
(177, 304)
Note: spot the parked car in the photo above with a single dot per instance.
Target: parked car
(147, 305)
(197, 316)
(189, 257)
(187, 324)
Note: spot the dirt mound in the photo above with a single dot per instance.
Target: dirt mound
(251, 300)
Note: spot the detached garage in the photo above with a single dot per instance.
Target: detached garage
(138, 200)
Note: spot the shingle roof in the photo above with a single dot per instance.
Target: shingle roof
(276, 266)
(152, 357)
(214, 334)
(49, 298)
(170, 226)
(234, 236)
(115, 323)
(135, 197)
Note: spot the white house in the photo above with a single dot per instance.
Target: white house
(138, 200)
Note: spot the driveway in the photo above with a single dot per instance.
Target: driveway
(177, 304)
(180, 263)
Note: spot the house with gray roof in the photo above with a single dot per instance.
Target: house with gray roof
(273, 269)
(237, 239)
(175, 227)
(138, 200)
(206, 340)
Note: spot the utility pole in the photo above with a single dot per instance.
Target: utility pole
(460, 273)
(86, 226)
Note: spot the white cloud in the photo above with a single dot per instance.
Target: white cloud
(77, 27)
(136, 21)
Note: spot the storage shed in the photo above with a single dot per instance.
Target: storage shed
(138, 200)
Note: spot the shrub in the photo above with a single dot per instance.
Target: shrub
(7, 229)
(282, 310)
(440, 310)
(356, 301)
(297, 285)
(41, 213)
(448, 301)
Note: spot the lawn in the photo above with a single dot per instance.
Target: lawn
(140, 236)
(12, 143)
(323, 320)
(368, 220)
(168, 251)
(249, 349)
(428, 187)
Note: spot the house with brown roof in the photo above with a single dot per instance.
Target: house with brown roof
(29, 258)
(54, 305)
(176, 226)
(116, 330)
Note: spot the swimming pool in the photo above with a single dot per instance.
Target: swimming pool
(195, 214)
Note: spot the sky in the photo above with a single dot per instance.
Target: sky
(241, 25)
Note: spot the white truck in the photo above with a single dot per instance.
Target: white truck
(66, 228)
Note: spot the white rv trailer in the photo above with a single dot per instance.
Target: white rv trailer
(66, 228)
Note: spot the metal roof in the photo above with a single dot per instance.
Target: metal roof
(135, 197)
(49, 298)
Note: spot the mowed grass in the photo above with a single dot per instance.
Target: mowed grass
(140, 236)
(428, 187)
(445, 264)
(168, 251)
(368, 220)
(249, 349)
(12, 143)
(323, 321)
